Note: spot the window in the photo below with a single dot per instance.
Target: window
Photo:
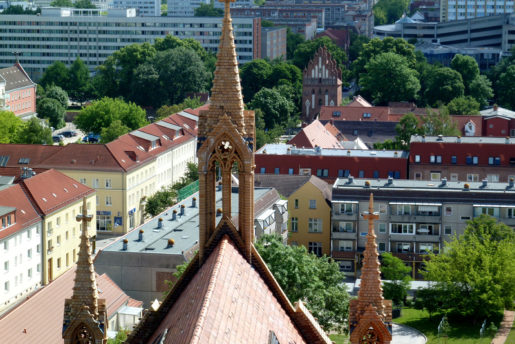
(108, 184)
(262, 170)
(435, 176)
(438, 159)
(404, 247)
(345, 245)
(382, 227)
(322, 172)
(6, 286)
(510, 213)
(492, 211)
(454, 177)
(58, 240)
(6, 266)
(475, 160)
(108, 200)
(343, 173)
(472, 177)
(290, 171)
(418, 176)
(294, 224)
(315, 248)
(312, 204)
(403, 209)
(347, 208)
(447, 230)
(58, 263)
(432, 159)
(417, 158)
(29, 253)
(493, 178)
(425, 248)
(276, 170)
(95, 183)
(58, 222)
(402, 228)
(82, 181)
(382, 247)
(29, 273)
(361, 174)
(50, 246)
(376, 174)
(347, 227)
(448, 211)
(314, 225)
(38, 248)
(67, 259)
(454, 159)
(296, 203)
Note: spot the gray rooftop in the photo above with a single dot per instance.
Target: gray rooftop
(498, 112)
(145, 136)
(284, 149)
(465, 139)
(15, 78)
(184, 230)
(6, 210)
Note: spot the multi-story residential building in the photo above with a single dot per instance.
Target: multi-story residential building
(58, 199)
(283, 15)
(493, 31)
(273, 43)
(144, 8)
(186, 8)
(321, 84)
(20, 247)
(458, 9)
(61, 34)
(469, 159)
(330, 164)
(17, 91)
(124, 172)
(498, 121)
(415, 217)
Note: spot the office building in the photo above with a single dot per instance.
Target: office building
(458, 9)
(273, 43)
(144, 8)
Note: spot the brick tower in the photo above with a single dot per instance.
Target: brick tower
(85, 317)
(370, 316)
(321, 84)
(226, 138)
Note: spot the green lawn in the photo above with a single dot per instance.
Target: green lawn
(460, 333)
(511, 337)
(338, 338)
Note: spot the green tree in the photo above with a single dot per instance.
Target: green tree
(52, 110)
(79, 81)
(267, 23)
(389, 11)
(33, 132)
(61, 3)
(389, 78)
(398, 275)
(303, 276)
(439, 122)
(476, 271)
(481, 90)
(208, 10)
(56, 74)
(444, 85)
(506, 88)
(18, 9)
(254, 76)
(356, 45)
(168, 110)
(276, 108)
(432, 299)
(463, 106)
(467, 67)
(10, 126)
(408, 126)
(158, 202)
(292, 41)
(305, 52)
(120, 338)
(57, 93)
(101, 113)
(113, 131)
(83, 4)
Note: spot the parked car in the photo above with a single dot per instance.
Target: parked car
(69, 133)
(91, 138)
(58, 138)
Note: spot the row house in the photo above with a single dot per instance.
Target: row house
(17, 91)
(415, 217)
(123, 172)
(469, 159)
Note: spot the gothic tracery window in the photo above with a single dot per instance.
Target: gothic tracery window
(83, 335)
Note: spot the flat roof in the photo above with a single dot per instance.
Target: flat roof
(465, 139)
(184, 230)
(287, 149)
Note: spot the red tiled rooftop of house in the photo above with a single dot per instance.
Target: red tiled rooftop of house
(31, 154)
(25, 213)
(52, 190)
(40, 318)
(355, 113)
(315, 134)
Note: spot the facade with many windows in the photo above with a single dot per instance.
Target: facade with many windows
(415, 217)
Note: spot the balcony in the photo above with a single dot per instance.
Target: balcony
(416, 218)
(415, 237)
(344, 235)
(342, 216)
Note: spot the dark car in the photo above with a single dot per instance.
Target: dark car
(69, 133)
(91, 138)
(58, 138)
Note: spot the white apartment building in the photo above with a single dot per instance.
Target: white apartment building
(20, 247)
(145, 8)
(466, 9)
(65, 34)
(179, 8)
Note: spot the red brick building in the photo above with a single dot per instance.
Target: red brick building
(321, 84)
(330, 164)
(469, 159)
(17, 91)
(498, 122)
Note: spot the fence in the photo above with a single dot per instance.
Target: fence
(187, 191)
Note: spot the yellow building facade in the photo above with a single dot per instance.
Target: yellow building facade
(309, 210)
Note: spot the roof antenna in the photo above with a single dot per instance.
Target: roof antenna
(16, 54)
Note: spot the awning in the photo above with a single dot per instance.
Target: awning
(427, 208)
(347, 202)
(495, 205)
(417, 203)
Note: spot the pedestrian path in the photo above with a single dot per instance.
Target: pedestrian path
(403, 334)
(505, 328)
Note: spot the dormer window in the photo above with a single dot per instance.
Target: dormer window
(337, 113)
(367, 115)
(154, 144)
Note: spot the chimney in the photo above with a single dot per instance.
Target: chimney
(496, 107)
(140, 235)
(194, 202)
(466, 187)
(125, 244)
(174, 215)
(351, 179)
(219, 211)
(160, 223)
(183, 210)
(170, 243)
(444, 182)
(485, 183)
(390, 180)
(440, 138)
(510, 183)
(459, 139)
(507, 141)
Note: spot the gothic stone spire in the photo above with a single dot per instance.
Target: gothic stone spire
(84, 314)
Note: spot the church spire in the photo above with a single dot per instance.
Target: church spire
(84, 314)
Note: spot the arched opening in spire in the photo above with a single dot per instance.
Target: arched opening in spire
(83, 335)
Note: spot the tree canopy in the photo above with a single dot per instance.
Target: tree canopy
(52, 110)
(439, 122)
(306, 50)
(208, 10)
(10, 126)
(506, 88)
(33, 132)
(398, 275)
(56, 74)
(102, 113)
(444, 85)
(18, 9)
(57, 93)
(277, 109)
(463, 106)
(304, 276)
(476, 271)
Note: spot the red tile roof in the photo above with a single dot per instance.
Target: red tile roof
(35, 153)
(26, 215)
(315, 134)
(40, 318)
(52, 190)
(355, 113)
(16, 172)
(329, 126)
(359, 101)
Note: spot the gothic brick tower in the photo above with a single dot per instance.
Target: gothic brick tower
(370, 316)
(85, 317)
(321, 84)
(226, 138)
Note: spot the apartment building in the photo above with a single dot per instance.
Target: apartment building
(464, 9)
(144, 8)
(20, 247)
(17, 91)
(273, 43)
(61, 34)
(415, 217)
(186, 8)
(465, 159)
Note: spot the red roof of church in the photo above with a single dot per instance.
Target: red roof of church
(40, 318)
(315, 134)
(25, 213)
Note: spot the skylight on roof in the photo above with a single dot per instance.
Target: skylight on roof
(66, 190)
(75, 186)
(44, 199)
(3, 160)
(24, 161)
(166, 137)
(53, 194)
(22, 211)
(140, 148)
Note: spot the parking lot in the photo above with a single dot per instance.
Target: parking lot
(69, 126)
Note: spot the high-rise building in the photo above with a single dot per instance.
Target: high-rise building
(467, 9)
(145, 8)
